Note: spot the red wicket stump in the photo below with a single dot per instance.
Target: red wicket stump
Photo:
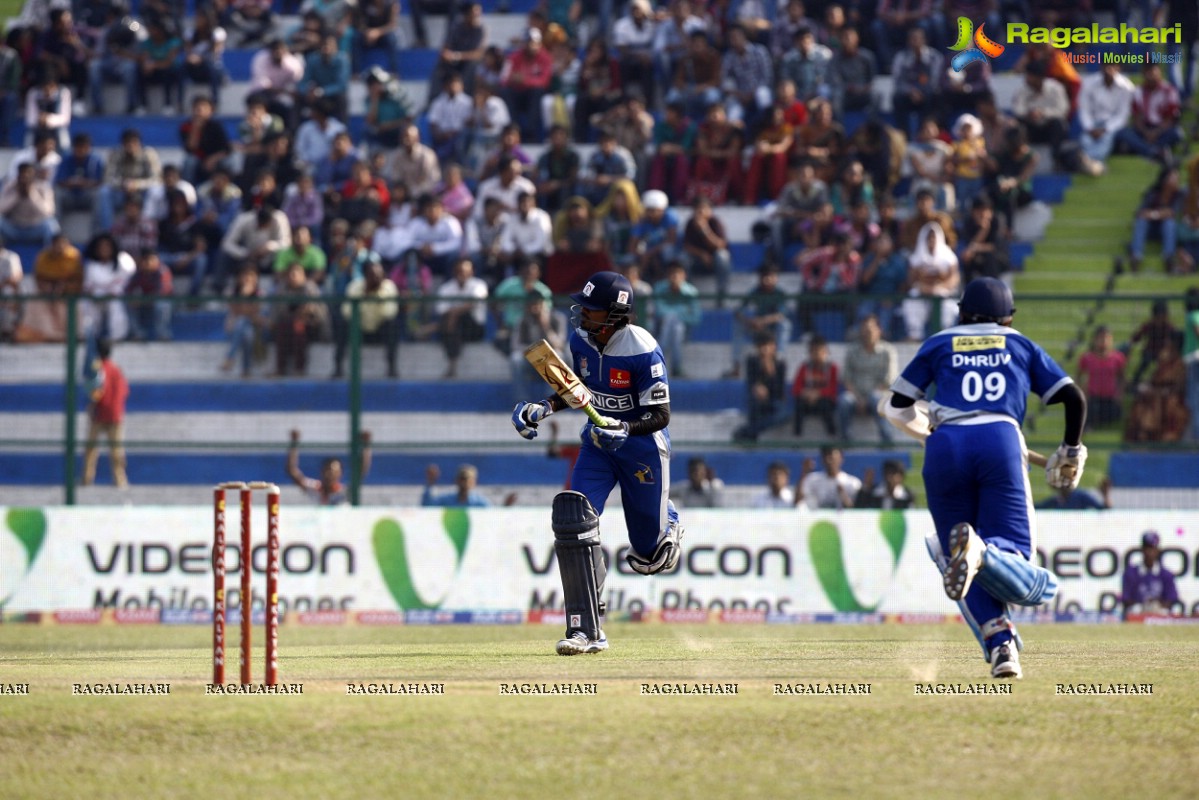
(246, 563)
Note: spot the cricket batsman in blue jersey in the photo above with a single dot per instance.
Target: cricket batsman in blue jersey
(623, 367)
(976, 462)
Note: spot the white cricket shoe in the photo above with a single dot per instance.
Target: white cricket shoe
(1005, 661)
(966, 552)
(577, 643)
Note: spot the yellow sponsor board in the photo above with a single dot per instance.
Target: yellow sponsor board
(966, 344)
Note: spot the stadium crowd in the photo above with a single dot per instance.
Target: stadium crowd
(442, 217)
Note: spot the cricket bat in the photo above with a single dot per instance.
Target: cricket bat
(562, 379)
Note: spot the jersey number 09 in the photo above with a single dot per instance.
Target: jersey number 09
(974, 384)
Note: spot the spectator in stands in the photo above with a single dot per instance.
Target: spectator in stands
(673, 139)
(489, 72)
(508, 146)
(42, 154)
(778, 493)
(655, 239)
(891, 494)
(1054, 64)
(768, 164)
(449, 120)
(917, 72)
(363, 197)
(335, 169)
(697, 76)
(462, 312)
(158, 60)
(871, 365)
(107, 394)
(527, 234)
(146, 293)
(924, 213)
(671, 40)
(765, 310)
(244, 322)
(302, 251)
(205, 143)
(893, 23)
(11, 275)
(326, 78)
(851, 75)
(436, 237)
(314, 139)
(808, 66)
(822, 140)
(607, 165)
(1159, 210)
(204, 52)
(538, 320)
(48, 110)
(10, 90)
(388, 109)
(132, 230)
(930, 160)
(984, 243)
(1009, 177)
(884, 276)
(257, 127)
(413, 163)
(792, 18)
(882, 149)
(298, 320)
(830, 488)
(705, 247)
(818, 230)
(328, 489)
(27, 209)
(462, 49)
(487, 229)
(633, 38)
(182, 245)
(156, 205)
(831, 269)
(620, 212)
(131, 170)
(1043, 108)
(748, 77)
(255, 238)
(1104, 109)
(557, 171)
(116, 59)
(961, 91)
(377, 27)
(702, 489)
(57, 271)
(63, 50)
(853, 190)
(577, 229)
(599, 87)
(933, 272)
(78, 179)
(466, 495)
(526, 77)
(1191, 357)
(106, 273)
(801, 197)
(455, 195)
(218, 203)
(275, 75)
(1101, 370)
(378, 318)
(1149, 588)
(558, 104)
(511, 298)
(1155, 332)
(1159, 412)
(251, 20)
(675, 311)
(1156, 111)
(717, 174)
(816, 387)
(969, 160)
(633, 129)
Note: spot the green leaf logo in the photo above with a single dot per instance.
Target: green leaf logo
(824, 545)
(391, 552)
(28, 527)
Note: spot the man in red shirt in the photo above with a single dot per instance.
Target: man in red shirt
(1156, 109)
(106, 414)
(815, 387)
(526, 78)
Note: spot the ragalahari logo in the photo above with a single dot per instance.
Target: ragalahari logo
(20, 542)
(391, 552)
(828, 559)
(982, 50)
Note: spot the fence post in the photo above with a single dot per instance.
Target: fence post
(70, 402)
(355, 399)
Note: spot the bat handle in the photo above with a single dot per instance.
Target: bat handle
(595, 416)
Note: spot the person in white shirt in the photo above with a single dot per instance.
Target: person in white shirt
(106, 272)
(461, 312)
(831, 488)
(777, 493)
(506, 187)
(436, 237)
(449, 120)
(1104, 107)
(155, 206)
(314, 139)
(528, 233)
(44, 156)
(633, 38)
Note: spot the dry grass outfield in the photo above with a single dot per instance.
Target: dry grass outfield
(473, 742)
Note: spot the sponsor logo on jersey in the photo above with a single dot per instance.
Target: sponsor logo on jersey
(619, 378)
(644, 474)
(967, 344)
(612, 402)
(659, 393)
(583, 370)
(657, 370)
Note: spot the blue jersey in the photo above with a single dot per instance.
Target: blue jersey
(980, 369)
(627, 377)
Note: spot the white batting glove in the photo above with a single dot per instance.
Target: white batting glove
(1065, 465)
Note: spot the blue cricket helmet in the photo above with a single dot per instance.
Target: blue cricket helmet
(606, 291)
(987, 297)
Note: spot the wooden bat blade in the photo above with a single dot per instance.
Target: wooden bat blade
(562, 379)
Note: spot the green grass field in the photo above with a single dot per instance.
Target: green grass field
(472, 742)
